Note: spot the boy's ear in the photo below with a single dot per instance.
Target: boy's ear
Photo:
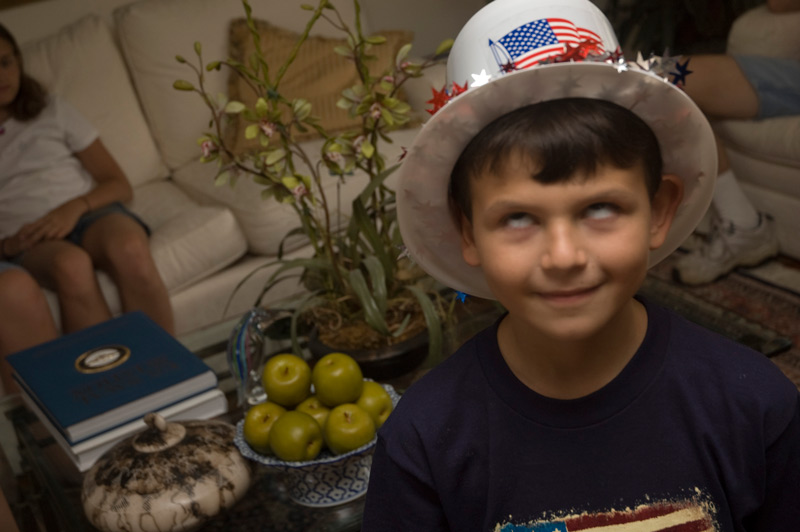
(664, 206)
(468, 250)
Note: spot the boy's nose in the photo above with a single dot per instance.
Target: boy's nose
(564, 249)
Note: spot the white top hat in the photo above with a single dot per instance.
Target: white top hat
(513, 53)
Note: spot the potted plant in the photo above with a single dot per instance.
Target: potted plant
(359, 293)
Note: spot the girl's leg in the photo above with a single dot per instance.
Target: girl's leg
(68, 270)
(119, 246)
(25, 319)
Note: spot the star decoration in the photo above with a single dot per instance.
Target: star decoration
(621, 65)
(458, 89)
(480, 79)
(646, 65)
(440, 98)
(508, 67)
(461, 296)
(679, 78)
(403, 154)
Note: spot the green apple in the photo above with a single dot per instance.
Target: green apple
(258, 423)
(376, 401)
(337, 379)
(348, 427)
(313, 407)
(295, 437)
(286, 379)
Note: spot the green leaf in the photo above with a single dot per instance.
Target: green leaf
(251, 131)
(387, 116)
(372, 313)
(376, 39)
(180, 59)
(182, 85)
(275, 156)
(343, 50)
(433, 323)
(198, 48)
(214, 65)
(377, 277)
(444, 47)
(262, 108)
(403, 53)
(362, 224)
(222, 179)
(367, 149)
(344, 103)
(234, 107)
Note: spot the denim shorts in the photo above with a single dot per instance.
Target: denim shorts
(76, 235)
(4, 266)
(776, 82)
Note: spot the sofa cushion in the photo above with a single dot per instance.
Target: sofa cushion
(189, 241)
(776, 140)
(85, 51)
(266, 222)
(153, 32)
(317, 74)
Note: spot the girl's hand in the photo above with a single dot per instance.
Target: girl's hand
(54, 225)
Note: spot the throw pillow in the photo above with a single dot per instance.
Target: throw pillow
(318, 74)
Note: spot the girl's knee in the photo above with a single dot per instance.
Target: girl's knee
(129, 256)
(71, 269)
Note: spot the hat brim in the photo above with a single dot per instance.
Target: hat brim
(431, 236)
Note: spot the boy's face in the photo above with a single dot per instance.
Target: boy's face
(565, 258)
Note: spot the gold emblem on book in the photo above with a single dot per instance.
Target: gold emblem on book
(102, 358)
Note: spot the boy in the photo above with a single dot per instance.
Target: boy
(584, 407)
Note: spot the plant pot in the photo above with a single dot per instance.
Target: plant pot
(380, 363)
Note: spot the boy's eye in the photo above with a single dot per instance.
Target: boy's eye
(519, 220)
(600, 211)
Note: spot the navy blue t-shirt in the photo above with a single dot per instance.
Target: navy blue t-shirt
(697, 433)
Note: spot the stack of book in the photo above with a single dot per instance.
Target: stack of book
(93, 387)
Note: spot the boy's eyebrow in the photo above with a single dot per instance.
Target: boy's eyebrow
(614, 193)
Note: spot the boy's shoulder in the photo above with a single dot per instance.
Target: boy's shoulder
(714, 368)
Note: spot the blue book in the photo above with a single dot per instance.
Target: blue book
(104, 376)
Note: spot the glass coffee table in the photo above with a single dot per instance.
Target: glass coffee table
(43, 487)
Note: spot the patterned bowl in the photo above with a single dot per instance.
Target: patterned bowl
(329, 479)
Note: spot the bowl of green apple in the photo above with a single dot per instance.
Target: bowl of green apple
(318, 425)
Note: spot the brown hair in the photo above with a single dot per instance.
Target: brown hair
(562, 137)
(32, 96)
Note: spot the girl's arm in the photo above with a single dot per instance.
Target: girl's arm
(112, 185)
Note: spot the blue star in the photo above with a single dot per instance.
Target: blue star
(682, 72)
(461, 296)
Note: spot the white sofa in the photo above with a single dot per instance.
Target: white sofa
(115, 62)
(765, 154)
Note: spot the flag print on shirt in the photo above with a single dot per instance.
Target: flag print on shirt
(690, 516)
(535, 41)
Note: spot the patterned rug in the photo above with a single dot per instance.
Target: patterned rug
(760, 314)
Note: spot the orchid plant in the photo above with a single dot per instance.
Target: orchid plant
(357, 273)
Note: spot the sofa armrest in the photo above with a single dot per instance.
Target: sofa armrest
(759, 31)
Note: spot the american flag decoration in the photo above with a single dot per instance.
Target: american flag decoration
(659, 517)
(538, 40)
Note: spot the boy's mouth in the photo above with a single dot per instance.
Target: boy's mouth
(567, 296)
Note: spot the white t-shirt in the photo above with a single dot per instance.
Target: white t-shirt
(38, 168)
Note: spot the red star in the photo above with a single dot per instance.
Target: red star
(508, 67)
(458, 89)
(440, 98)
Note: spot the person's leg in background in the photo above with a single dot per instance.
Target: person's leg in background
(25, 318)
(119, 245)
(740, 235)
